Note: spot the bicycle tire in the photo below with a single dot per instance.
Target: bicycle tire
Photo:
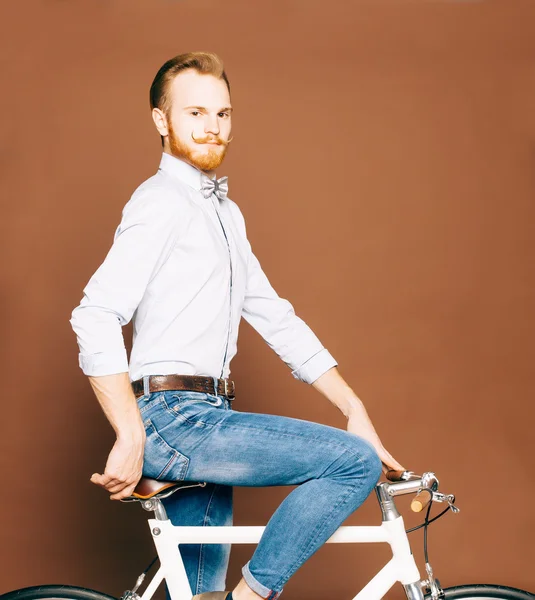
(482, 591)
(59, 592)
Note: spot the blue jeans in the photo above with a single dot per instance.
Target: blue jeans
(193, 436)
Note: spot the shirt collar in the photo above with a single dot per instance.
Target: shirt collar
(182, 170)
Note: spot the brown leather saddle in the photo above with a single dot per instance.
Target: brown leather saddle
(149, 488)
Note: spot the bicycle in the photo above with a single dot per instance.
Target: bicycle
(401, 568)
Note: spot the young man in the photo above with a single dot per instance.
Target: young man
(181, 266)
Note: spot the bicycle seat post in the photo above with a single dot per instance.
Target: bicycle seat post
(156, 505)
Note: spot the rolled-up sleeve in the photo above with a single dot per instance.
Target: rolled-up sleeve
(142, 242)
(275, 320)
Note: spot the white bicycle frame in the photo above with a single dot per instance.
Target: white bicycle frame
(401, 567)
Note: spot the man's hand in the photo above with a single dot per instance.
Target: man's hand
(125, 462)
(356, 425)
(334, 388)
(123, 468)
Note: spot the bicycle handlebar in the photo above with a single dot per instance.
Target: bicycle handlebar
(392, 475)
(424, 487)
(422, 499)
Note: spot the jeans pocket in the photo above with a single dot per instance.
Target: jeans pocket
(161, 461)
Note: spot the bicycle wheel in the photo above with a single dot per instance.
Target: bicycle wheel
(51, 592)
(483, 591)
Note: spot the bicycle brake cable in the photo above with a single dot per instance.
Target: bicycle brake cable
(425, 531)
(149, 567)
(425, 523)
(132, 594)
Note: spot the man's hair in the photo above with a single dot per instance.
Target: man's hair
(205, 63)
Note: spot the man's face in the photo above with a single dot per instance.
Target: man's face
(200, 107)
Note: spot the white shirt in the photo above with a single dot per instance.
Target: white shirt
(186, 283)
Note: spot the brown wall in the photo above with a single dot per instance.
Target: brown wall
(394, 145)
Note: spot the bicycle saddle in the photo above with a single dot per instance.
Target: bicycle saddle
(148, 488)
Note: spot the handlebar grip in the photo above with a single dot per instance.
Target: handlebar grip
(392, 475)
(421, 500)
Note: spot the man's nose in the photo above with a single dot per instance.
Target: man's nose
(211, 125)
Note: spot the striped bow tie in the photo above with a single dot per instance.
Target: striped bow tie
(219, 187)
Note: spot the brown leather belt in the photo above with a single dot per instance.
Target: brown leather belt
(192, 383)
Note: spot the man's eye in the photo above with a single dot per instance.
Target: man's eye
(223, 114)
(194, 112)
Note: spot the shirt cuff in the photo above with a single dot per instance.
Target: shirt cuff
(103, 363)
(315, 366)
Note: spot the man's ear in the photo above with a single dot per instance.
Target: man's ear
(160, 121)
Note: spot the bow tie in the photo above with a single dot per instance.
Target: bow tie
(219, 187)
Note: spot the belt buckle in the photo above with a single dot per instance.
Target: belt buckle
(227, 390)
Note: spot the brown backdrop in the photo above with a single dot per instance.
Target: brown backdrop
(394, 140)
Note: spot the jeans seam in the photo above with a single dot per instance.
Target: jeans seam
(275, 432)
(177, 414)
(315, 534)
(200, 573)
(146, 402)
(222, 423)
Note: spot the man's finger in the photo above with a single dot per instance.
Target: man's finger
(105, 478)
(127, 491)
(390, 461)
(98, 479)
(113, 488)
(115, 483)
(104, 481)
(385, 457)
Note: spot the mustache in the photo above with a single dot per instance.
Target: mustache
(216, 140)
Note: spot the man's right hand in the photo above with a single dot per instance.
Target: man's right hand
(123, 467)
(125, 462)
